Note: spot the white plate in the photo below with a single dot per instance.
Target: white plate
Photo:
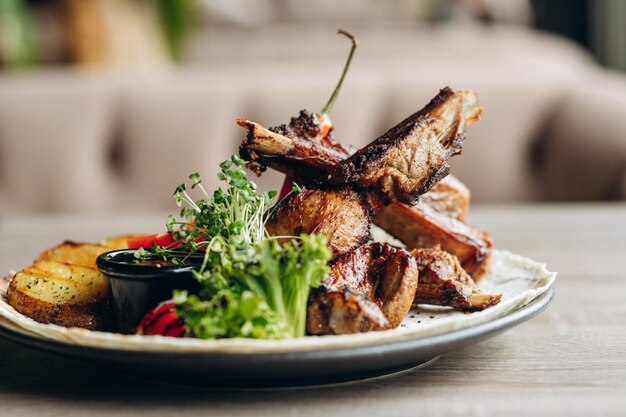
(425, 332)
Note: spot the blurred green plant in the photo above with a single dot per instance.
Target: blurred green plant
(18, 40)
(177, 19)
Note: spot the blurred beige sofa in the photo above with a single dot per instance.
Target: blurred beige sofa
(553, 126)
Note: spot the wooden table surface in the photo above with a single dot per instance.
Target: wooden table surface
(571, 360)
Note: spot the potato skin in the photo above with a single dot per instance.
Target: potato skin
(91, 316)
(62, 294)
(117, 242)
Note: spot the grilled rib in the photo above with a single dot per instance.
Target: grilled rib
(302, 157)
(385, 280)
(420, 226)
(340, 215)
(385, 274)
(450, 197)
(443, 282)
(412, 156)
(342, 312)
(401, 165)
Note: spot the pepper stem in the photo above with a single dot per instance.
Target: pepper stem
(331, 101)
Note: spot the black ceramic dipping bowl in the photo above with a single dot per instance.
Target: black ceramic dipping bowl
(136, 288)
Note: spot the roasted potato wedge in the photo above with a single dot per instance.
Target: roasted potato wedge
(81, 254)
(117, 242)
(62, 294)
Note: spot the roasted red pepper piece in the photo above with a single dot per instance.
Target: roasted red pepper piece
(160, 239)
(162, 320)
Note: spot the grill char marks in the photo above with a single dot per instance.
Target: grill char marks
(412, 156)
(340, 215)
(307, 126)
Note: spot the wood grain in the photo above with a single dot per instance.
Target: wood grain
(569, 361)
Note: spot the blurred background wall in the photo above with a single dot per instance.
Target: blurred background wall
(109, 104)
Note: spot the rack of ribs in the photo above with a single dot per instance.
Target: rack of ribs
(300, 151)
(372, 286)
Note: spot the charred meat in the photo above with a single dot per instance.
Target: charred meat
(420, 226)
(340, 215)
(400, 165)
(384, 274)
(342, 312)
(443, 282)
(411, 157)
(307, 126)
(372, 286)
(385, 280)
(450, 197)
(304, 156)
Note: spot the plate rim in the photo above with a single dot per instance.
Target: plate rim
(446, 340)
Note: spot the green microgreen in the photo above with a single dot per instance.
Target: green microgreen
(252, 284)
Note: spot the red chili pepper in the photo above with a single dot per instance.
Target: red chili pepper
(324, 120)
(325, 124)
(162, 320)
(287, 187)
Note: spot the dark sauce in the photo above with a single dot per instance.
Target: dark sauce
(152, 260)
(159, 263)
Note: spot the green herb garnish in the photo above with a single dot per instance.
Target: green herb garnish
(252, 285)
(260, 296)
(230, 219)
